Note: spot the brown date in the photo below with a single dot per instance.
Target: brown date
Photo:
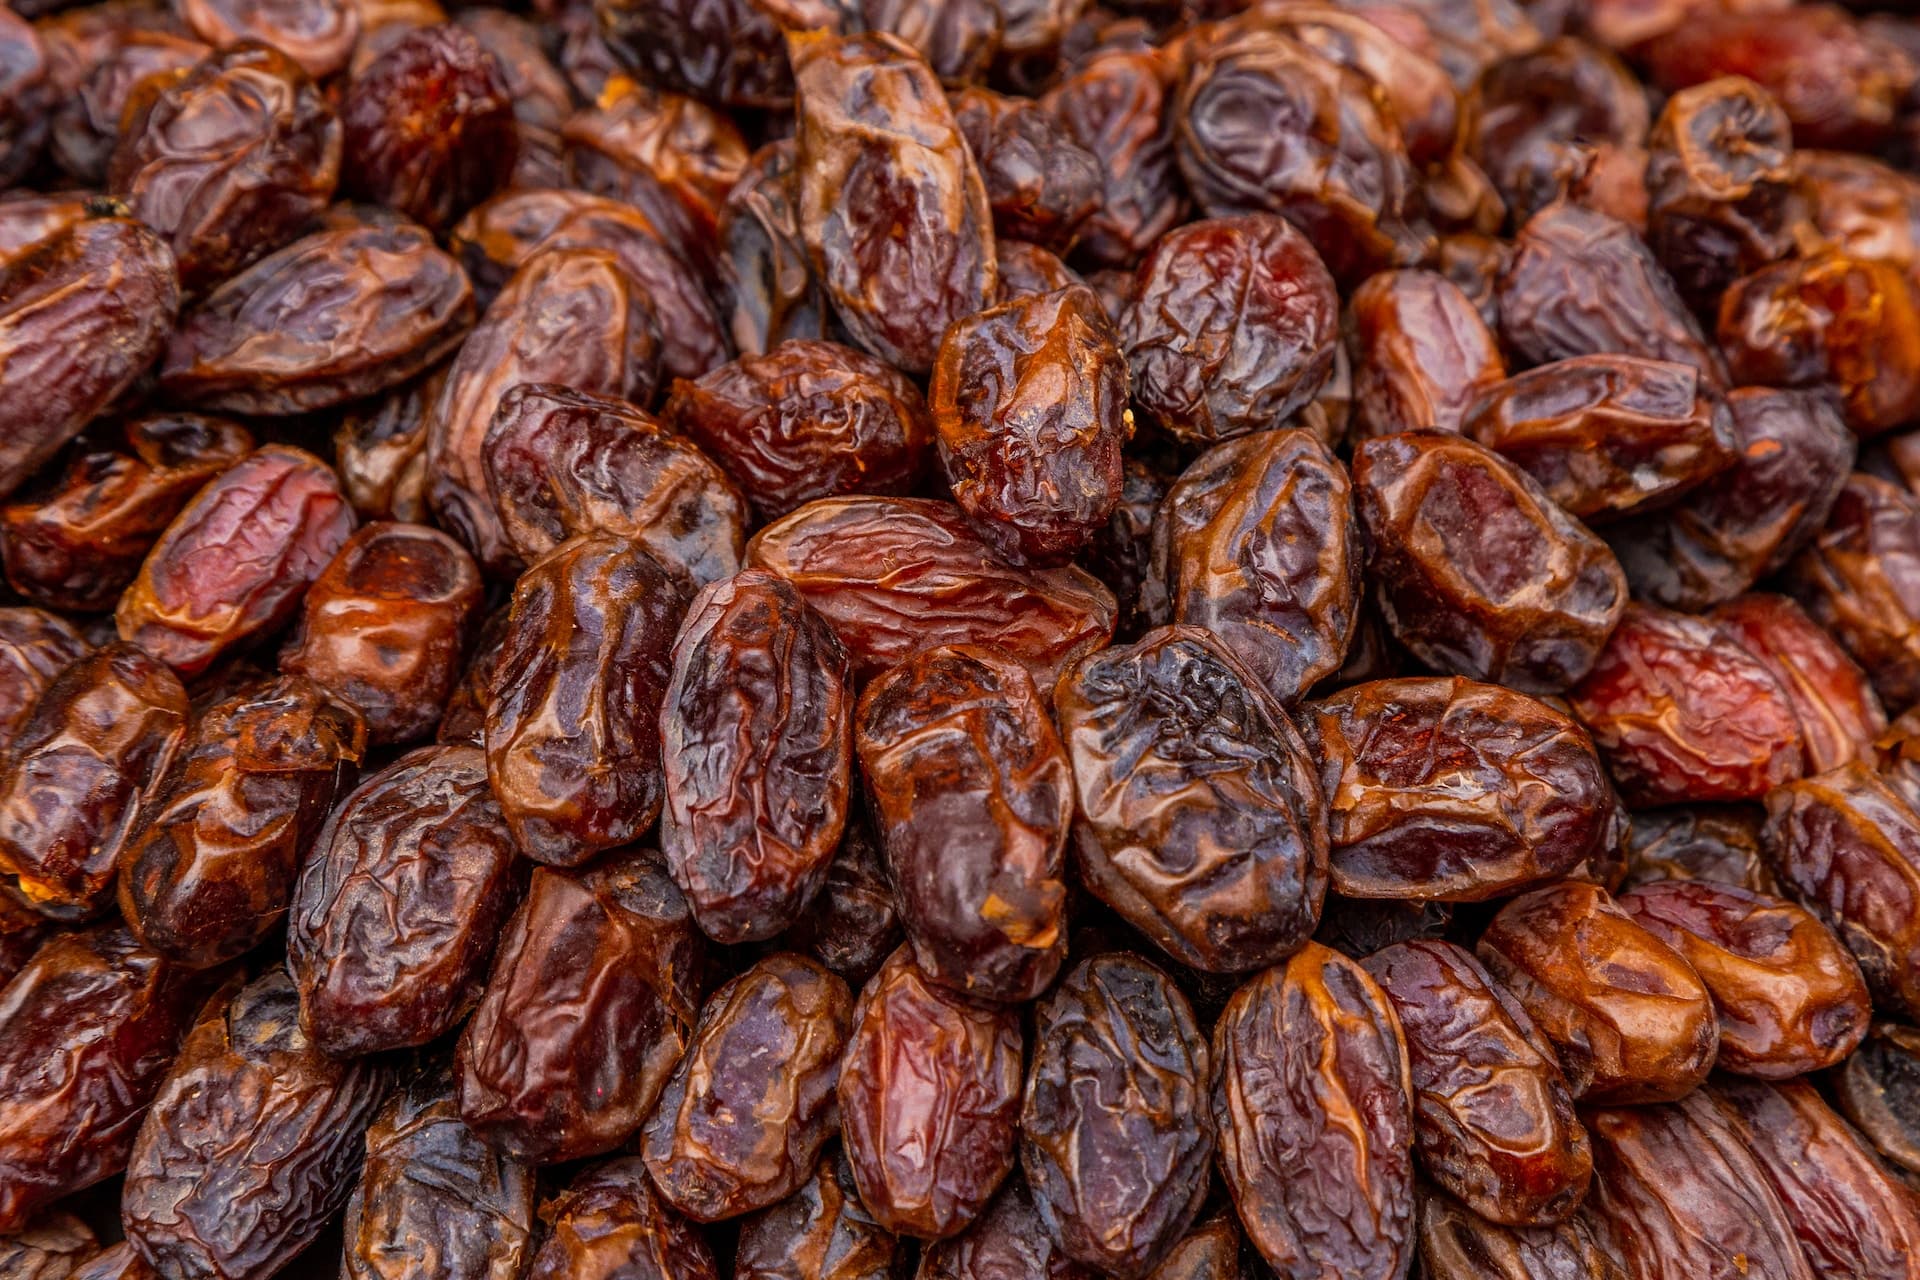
(1211, 1251)
(78, 543)
(1608, 435)
(1313, 1107)
(433, 1197)
(957, 40)
(120, 1262)
(1479, 572)
(1121, 554)
(1232, 327)
(251, 1145)
(22, 930)
(1358, 927)
(768, 290)
(99, 57)
(1041, 184)
(1118, 105)
(318, 34)
(1876, 1089)
(231, 567)
(1860, 205)
(385, 627)
(805, 420)
(1115, 1139)
(465, 719)
(1840, 715)
(593, 995)
(1441, 788)
(1681, 713)
(1860, 579)
(742, 1120)
(1493, 1119)
(1029, 402)
(1028, 268)
(609, 1225)
(1626, 1014)
(536, 91)
(892, 205)
(27, 218)
(1010, 1238)
(1201, 818)
(894, 576)
(93, 748)
(1458, 1244)
(35, 646)
(380, 452)
(1257, 541)
(27, 97)
(83, 312)
(853, 922)
(1422, 354)
(87, 1030)
(398, 907)
(756, 751)
(338, 316)
(929, 1101)
(209, 870)
(55, 1247)
(561, 462)
(820, 1232)
(572, 730)
(1700, 842)
(733, 52)
(972, 797)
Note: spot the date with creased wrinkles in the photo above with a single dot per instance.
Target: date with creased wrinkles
(608, 1224)
(1458, 1244)
(820, 1232)
(35, 646)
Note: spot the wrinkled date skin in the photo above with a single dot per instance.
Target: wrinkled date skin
(1231, 328)
(251, 1145)
(806, 420)
(93, 747)
(99, 56)
(1009, 1239)
(88, 1029)
(768, 289)
(1682, 713)
(1700, 842)
(892, 206)
(35, 646)
(1607, 435)
(120, 1262)
(1041, 184)
(317, 34)
(1115, 1138)
(338, 316)
(733, 52)
(398, 908)
(210, 870)
(1789, 996)
(78, 544)
(1458, 1244)
(853, 922)
(1677, 1193)
(1793, 455)
(592, 998)
(1313, 1107)
(1258, 542)
(610, 1225)
(433, 1197)
(1840, 716)
(561, 462)
(1876, 1089)
(379, 449)
(229, 161)
(22, 930)
(821, 1232)
(1118, 106)
(1201, 820)
(572, 731)
(1121, 554)
(385, 627)
(1029, 401)
(756, 752)
(1860, 579)
(973, 797)
(1444, 788)
(1479, 572)
(1628, 1017)
(232, 566)
(894, 576)
(1848, 845)
(929, 1101)
(1493, 1118)
(1211, 1251)
(1422, 354)
(741, 1122)
(52, 1248)
(465, 719)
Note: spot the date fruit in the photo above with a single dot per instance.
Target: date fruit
(820, 1232)
(609, 1225)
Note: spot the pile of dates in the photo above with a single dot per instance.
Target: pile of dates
(959, 640)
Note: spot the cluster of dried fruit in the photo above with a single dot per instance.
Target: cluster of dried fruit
(975, 639)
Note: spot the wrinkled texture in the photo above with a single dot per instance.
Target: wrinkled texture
(820, 1232)
(35, 646)
(1840, 716)
(1876, 1088)
(1700, 842)
(1422, 354)
(1458, 1244)
(1118, 106)
(1860, 579)
(609, 1225)
(1009, 1239)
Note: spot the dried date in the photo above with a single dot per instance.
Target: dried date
(1041, 184)
(1118, 106)
(1860, 579)
(609, 1225)
(820, 1232)
(853, 922)
(1458, 1244)
(1876, 1089)
(380, 452)
(1008, 1239)
(1700, 842)
(1840, 715)
(1422, 354)
(35, 646)
(318, 34)
(768, 286)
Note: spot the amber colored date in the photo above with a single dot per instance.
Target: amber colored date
(1840, 715)
(1422, 354)
(820, 1232)
(768, 292)
(1117, 104)
(609, 1225)
(1860, 579)
(1041, 184)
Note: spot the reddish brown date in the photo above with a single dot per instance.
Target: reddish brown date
(1480, 573)
(733, 52)
(385, 627)
(592, 998)
(1041, 184)
(1115, 1138)
(1422, 354)
(1121, 554)
(210, 870)
(972, 796)
(1028, 268)
(1231, 328)
(853, 923)
(465, 719)
(1258, 543)
(1029, 404)
(892, 206)
(1700, 842)
(769, 293)
(87, 1030)
(756, 752)
(380, 452)
(121, 1262)
(251, 1145)
(1876, 1089)
(1009, 1239)
(35, 646)
(398, 907)
(742, 1120)
(1443, 788)
(319, 35)
(929, 1101)
(893, 576)
(55, 1247)
(84, 312)
(1840, 716)
(93, 747)
(231, 567)
(1628, 1017)
(806, 420)
(820, 1232)
(572, 730)
(1860, 579)
(1458, 1244)
(561, 462)
(1313, 1106)
(1493, 1118)
(609, 1225)
(1118, 105)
